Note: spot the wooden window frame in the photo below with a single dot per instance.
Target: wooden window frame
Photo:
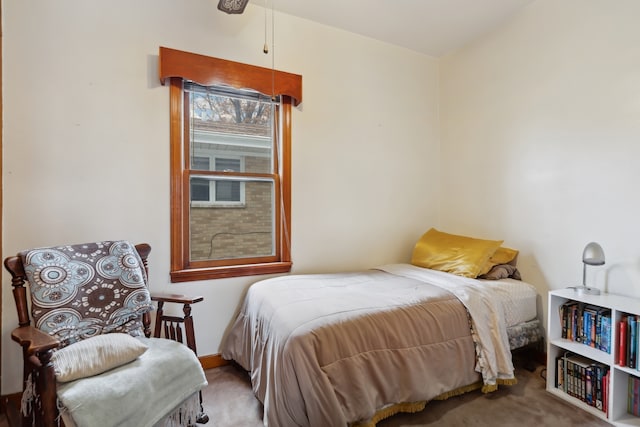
(176, 67)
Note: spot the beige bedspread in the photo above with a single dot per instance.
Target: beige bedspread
(489, 330)
(405, 340)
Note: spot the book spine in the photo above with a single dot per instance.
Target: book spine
(570, 378)
(636, 397)
(586, 323)
(630, 395)
(636, 344)
(598, 343)
(565, 374)
(579, 324)
(605, 392)
(588, 393)
(594, 328)
(560, 373)
(622, 342)
(574, 379)
(574, 323)
(633, 396)
(583, 383)
(631, 350)
(563, 320)
(605, 339)
(598, 386)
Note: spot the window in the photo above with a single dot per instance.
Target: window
(230, 166)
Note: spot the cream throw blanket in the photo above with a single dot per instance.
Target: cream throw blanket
(138, 394)
(489, 329)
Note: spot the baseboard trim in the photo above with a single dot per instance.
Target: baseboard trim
(212, 361)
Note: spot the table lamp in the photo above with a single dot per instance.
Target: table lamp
(592, 255)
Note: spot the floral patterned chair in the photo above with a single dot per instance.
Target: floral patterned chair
(88, 358)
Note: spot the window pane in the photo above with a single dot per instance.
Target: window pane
(235, 232)
(227, 165)
(200, 190)
(231, 126)
(227, 191)
(200, 163)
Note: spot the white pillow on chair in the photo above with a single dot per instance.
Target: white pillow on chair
(95, 355)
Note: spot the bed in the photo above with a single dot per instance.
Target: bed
(350, 349)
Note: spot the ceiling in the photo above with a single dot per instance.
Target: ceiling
(432, 27)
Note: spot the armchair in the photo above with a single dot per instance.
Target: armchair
(88, 357)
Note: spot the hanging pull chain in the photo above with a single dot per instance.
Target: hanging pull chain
(265, 49)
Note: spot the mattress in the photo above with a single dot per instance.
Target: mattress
(518, 299)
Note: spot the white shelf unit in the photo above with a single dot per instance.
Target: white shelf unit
(619, 375)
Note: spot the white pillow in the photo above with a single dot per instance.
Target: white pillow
(95, 355)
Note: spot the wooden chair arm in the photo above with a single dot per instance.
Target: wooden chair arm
(177, 298)
(33, 340)
(170, 325)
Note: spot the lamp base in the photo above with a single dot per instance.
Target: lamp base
(585, 290)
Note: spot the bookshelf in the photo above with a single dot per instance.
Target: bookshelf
(575, 349)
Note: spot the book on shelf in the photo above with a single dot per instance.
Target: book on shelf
(589, 385)
(587, 324)
(605, 392)
(631, 341)
(628, 328)
(598, 393)
(576, 312)
(566, 319)
(634, 343)
(590, 320)
(633, 396)
(577, 366)
(560, 375)
(604, 343)
(622, 341)
(583, 378)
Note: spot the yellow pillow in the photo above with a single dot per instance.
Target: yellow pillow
(460, 255)
(501, 256)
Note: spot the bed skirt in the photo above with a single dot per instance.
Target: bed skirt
(412, 407)
(519, 336)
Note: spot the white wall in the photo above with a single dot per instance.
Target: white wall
(541, 140)
(86, 139)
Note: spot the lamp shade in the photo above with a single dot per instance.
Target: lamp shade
(593, 254)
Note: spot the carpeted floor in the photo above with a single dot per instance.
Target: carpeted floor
(229, 402)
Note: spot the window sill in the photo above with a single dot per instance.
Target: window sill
(193, 274)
